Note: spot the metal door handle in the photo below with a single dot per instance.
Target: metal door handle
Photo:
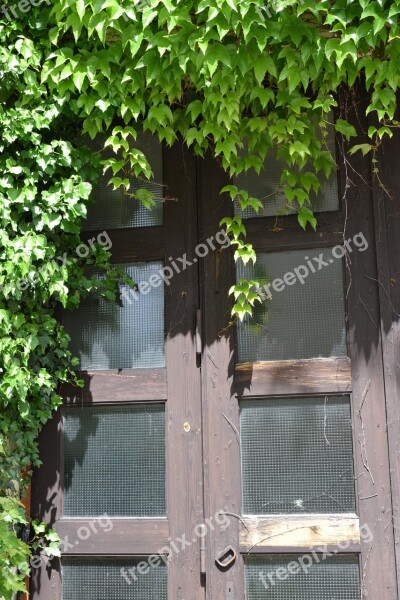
(226, 557)
(198, 340)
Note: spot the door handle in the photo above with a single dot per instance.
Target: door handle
(226, 557)
(203, 550)
(198, 340)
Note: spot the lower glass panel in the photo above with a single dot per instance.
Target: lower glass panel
(114, 461)
(301, 577)
(297, 455)
(112, 579)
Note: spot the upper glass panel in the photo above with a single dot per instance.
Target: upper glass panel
(285, 577)
(105, 335)
(108, 578)
(297, 456)
(302, 314)
(113, 209)
(114, 461)
(267, 187)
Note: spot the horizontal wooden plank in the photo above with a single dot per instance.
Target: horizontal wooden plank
(127, 385)
(299, 533)
(276, 233)
(312, 376)
(134, 245)
(104, 536)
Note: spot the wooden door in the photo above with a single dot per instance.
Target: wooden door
(296, 442)
(122, 474)
(266, 439)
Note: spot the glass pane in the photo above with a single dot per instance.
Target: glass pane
(285, 577)
(305, 318)
(102, 579)
(105, 335)
(114, 461)
(297, 456)
(112, 209)
(267, 187)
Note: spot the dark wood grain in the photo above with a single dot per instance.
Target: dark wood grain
(387, 237)
(183, 419)
(135, 245)
(368, 397)
(220, 406)
(113, 536)
(269, 234)
(46, 502)
(46, 505)
(313, 376)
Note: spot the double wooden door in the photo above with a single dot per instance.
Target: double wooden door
(209, 459)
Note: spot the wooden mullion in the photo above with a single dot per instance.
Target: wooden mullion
(134, 245)
(269, 234)
(287, 377)
(299, 533)
(107, 536)
(118, 386)
(183, 416)
(220, 405)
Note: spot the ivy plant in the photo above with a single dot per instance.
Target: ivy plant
(238, 78)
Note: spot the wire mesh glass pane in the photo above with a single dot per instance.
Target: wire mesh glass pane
(301, 577)
(98, 578)
(114, 461)
(305, 318)
(105, 335)
(114, 209)
(267, 187)
(297, 456)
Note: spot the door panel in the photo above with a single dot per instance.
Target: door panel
(122, 477)
(184, 419)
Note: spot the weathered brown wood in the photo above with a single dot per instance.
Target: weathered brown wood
(183, 412)
(294, 533)
(46, 503)
(220, 406)
(45, 578)
(368, 396)
(127, 385)
(134, 245)
(183, 418)
(313, 376)
(104, 536)
(387, 219)
(285, 233)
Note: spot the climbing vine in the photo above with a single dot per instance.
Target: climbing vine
(239, 78)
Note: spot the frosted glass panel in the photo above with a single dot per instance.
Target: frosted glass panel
(114, 461)
(112, 209)
(105, 335)
(305, 319)
(98, 578)
(335, 578)
(297, 456)
(267, 187)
